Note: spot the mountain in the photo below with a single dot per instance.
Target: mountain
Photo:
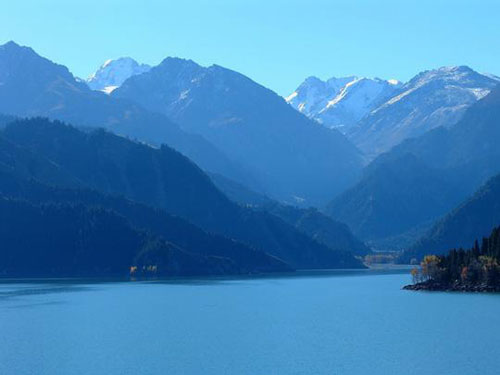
(31, 85)
(376, 114)
(239, 193)
(243, 259)
(473, 219)
(424, 177)
(297, 160)
(431, 99)
(5, 119)
(341, 102)
(315, 224)
(468, 149)
(389, 198)
(59, 240)
(320, 227)
(165, 179)
(113, 73)
(313, 94)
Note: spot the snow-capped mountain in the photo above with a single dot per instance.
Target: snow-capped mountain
(341, 102)
(377, 114)
(432, 98)
(314, 94)
(114, 72)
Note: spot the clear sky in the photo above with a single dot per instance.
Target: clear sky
(275, 42)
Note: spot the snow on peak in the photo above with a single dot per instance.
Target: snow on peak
(340, 102)
(444, 78)
(433, 98)
(113, 73)
(377, 114)
(394, 82)
(314, 94)
(109, 61)
(492, 76)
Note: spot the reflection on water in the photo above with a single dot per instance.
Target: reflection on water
(63, 285)
(13, 291)
(23, 295)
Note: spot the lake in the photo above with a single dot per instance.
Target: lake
(350, 322)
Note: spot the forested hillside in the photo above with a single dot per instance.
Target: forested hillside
(62, 156)
(476, 269)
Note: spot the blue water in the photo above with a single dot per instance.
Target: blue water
(333, 323)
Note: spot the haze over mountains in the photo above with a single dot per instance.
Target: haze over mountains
(35, 86)
(64, 157)
(424, 177)
(252, 125)
(228, 124)
(209, 172)
(470, 221)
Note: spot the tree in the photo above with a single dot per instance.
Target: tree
(415, 274)
(430, 267)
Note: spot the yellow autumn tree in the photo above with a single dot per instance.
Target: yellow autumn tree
(430, 267)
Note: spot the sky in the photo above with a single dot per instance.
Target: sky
(275, 42)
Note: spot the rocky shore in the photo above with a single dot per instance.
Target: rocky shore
(454, 287)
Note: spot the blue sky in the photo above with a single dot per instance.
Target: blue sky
(277, 43)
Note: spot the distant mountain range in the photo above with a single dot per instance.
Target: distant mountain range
(424, 177)
(222, 120)
(341, 102)
(377, 115)
(205, 171)
(34, 86)
(433, 98)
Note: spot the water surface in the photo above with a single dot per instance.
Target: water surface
(354, 323)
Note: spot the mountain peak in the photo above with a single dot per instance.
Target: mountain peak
(341, 80)
(394, 82)
(20, 64)
(312, 80)
(456, 68)
(460, 73)
(433, 98)
(120, 60)
(114, 72)
(10, 44)
(178, 61)
(13, 47)
(340, 101)
(249, 123)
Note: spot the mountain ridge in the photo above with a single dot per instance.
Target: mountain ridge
(35, 86)
(432, 98)
(166, 179)
(473, 219)
(251, 124)
(451, 164)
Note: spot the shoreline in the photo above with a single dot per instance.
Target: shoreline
(432, 286)
(274, 275)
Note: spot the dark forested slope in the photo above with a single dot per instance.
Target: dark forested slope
(472, 219)
(165, 179)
